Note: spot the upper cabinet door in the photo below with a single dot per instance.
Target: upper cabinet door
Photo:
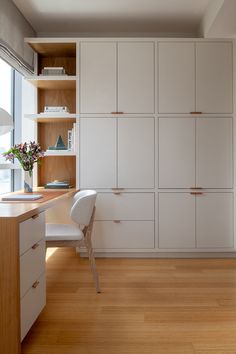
(176, 152)
(136, 77)
(176, 77)
(136, 152)
(214, 153)
(214, 77)
(98, 77)
(98, 152)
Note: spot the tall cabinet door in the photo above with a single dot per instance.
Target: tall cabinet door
(214, 220)
(214, 77)
(176, 77)
(136, 152)
(176, 152)
(98, 152)
(176, 220)
(136, 77)
(98, 77)
(214, 153)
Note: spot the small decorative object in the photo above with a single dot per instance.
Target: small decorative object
(27, 154)
(59, 145)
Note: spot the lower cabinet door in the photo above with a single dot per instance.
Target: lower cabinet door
(176, 220)
(123, 234)
(214, 213)
(125, 206)
(32, 304)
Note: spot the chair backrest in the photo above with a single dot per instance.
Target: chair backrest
(83, 205)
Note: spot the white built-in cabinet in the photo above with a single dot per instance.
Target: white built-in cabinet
(117, 77)
(176, 78)
(163, 167)
(124, 220)
(195, 152)
(195, 77)
(98, 66)
(117, 152)
(189, 220)
(98, 153)
(214, 77)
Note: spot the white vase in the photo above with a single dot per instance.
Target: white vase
(28, 181)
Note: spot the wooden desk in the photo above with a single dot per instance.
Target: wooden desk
(11, 215)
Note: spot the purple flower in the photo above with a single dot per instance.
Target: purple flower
(27, 154)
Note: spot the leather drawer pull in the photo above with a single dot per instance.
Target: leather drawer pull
(196, 193)
(195, 112)
(117, 112)
(116, 221)
(35, 246)
(34, 286)
(35, 216)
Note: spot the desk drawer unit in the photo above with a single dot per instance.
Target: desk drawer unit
(32, 265)
(124, 221)
(31, 231)
(32, 270)
(32, 304)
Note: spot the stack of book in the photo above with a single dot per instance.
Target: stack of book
(56, 109)
(72, 137)
(57, 185)
(50, 70)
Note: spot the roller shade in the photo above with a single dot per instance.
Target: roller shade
(13, 29)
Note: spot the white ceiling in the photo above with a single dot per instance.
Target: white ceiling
(114, 16)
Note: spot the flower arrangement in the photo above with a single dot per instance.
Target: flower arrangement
(27, 154)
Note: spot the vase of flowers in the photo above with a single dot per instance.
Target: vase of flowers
(27, 154)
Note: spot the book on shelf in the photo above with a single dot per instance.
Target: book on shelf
(57, 185)
(47, 70)
(56, 109)
(72, 138)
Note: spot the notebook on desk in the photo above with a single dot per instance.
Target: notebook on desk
(22, 197)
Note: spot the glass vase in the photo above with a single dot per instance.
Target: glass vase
(28, 181)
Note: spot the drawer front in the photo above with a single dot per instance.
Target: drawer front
(123, 235)
(125, 206)
(31, 231)
(32, 265)
(32, 304)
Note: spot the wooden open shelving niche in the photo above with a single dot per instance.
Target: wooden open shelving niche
(55, 91)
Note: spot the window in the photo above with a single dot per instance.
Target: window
(9, 100)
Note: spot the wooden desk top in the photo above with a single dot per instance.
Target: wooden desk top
(25, 209)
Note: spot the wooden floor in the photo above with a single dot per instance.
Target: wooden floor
(147, 306)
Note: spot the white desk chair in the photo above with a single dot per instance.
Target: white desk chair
(67, 235)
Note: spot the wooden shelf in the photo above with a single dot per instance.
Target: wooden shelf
(52, 49)
(52, 117)
(53, 82)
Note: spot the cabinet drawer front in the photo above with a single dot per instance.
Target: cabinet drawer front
(125, 206)
(32, 265)
(31, 231)
(32, 304)
(124, 234)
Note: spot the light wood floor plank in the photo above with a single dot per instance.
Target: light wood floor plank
(147, 306)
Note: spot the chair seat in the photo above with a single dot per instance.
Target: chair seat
(61, 232)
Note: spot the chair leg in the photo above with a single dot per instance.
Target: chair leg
(93, 264)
